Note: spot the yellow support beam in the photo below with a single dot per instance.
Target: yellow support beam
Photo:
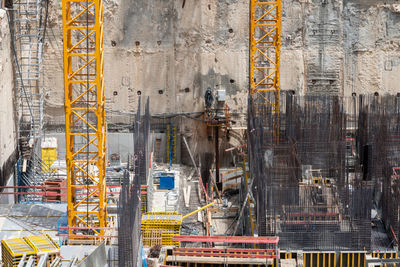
(198, 210)
(85, 117)
(265, 51)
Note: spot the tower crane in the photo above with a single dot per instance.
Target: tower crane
(85, 118)
(265, 50)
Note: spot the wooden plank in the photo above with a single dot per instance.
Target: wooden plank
(229, 186)
(186, 195)
(231, 171)
(231, 178)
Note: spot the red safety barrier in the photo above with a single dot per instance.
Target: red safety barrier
(228, 239)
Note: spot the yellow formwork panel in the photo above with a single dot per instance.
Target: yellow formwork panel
(49, 151)
(42, 243)
(158, 228)
(356, 259)
(320, 259)
(342, 259)
(143, 198)
(49, 155)
(13, 249)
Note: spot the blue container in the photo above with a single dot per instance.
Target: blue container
(167, 182)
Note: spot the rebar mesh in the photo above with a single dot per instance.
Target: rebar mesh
(129, 206)
(379, 147)
(307, 190)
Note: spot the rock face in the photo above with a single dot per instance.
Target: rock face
(173, 50)
(8, 143)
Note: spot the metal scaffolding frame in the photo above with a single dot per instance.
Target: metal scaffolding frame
(28, 36)
(28, 22)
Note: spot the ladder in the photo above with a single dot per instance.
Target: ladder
(28, 32)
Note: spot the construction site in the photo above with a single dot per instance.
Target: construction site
(200, 133)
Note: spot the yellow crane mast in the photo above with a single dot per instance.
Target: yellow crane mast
(85, 118)
(265, 51)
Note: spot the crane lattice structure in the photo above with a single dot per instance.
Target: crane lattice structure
(85, 118)
(265, 50)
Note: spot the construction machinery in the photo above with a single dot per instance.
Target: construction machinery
(85, 118)
(265, 51)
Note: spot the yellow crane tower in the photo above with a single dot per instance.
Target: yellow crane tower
(85, 118)
(265, 51)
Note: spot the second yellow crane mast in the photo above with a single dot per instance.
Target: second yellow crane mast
(265, 51)
(85, 118)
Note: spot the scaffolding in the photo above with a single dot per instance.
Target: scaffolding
(28, 33)
(28, 37)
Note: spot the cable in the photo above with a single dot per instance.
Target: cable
(45, 21)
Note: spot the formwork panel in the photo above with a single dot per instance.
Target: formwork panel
(13, 249)
(158, 228)
(44, 244)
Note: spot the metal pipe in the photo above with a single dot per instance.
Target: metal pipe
(198, 210)
(217, 163)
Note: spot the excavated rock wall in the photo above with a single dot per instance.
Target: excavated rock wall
(341, 47)
(8, 139)
(164, 50)
(173, 50)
